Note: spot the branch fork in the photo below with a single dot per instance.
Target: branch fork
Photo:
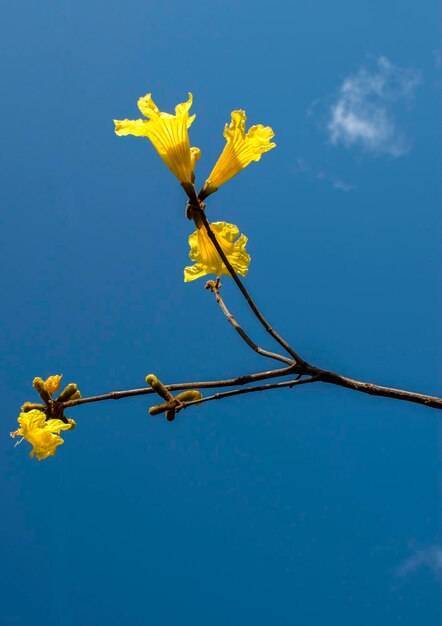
(305, 372)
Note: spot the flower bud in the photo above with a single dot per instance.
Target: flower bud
(68, 393)
(170, 415)
(189, 396)
(40, 386)
(158, 409)
(31, 406)
(158, 386)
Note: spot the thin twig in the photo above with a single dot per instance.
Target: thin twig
(316, 374)
(300, 367)
(228, 382)
(214, 287)
(197, 210)
(238, 392)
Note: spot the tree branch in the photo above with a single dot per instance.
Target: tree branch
(228, 382)
(214, 287)
(375, 390)
(315, 375)
(195, 209)
(199, 211)
(237, 392)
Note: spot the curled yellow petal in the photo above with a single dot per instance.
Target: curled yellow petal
(138, 128)
(42, 434)
(206, 257)
(241, 149)
(168, 133)
(52, 383)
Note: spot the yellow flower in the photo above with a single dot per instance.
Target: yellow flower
(168, 133)
(206, 257)
(52, 383)
(240, 150)
(40, 433)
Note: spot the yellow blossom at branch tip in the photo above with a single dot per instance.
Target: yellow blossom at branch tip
(206, 257)
(240, 150)
(42, 434)
(168, 133)
(52, 383)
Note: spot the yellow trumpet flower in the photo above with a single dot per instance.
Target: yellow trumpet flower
(40, 432)
(241, 149)
(206, 257)
(168, 133)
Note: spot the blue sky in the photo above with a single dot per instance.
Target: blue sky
(311, 506)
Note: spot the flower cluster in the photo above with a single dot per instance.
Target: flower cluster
(40, 424)
(217, 248)
(169, 135)
(171, 405)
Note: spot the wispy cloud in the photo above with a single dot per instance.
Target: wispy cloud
(305, 167)
(427, 557)
(342, 185)
(362, 114)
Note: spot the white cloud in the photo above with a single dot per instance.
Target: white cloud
(362, 113)
(342, 185)
(305, 167)
(427, 557)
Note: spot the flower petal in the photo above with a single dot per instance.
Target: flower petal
(148, 107)
(40, 433)
(52, 383)
(240, 150)
(206, 257)
(131, 127)
(168, 133)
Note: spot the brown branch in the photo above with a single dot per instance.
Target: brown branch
(228, 382)
(300, 367)
(199, 211)
(315, 375)
(237, 392)
(375, 390)
(304, 367)
(214, 287)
